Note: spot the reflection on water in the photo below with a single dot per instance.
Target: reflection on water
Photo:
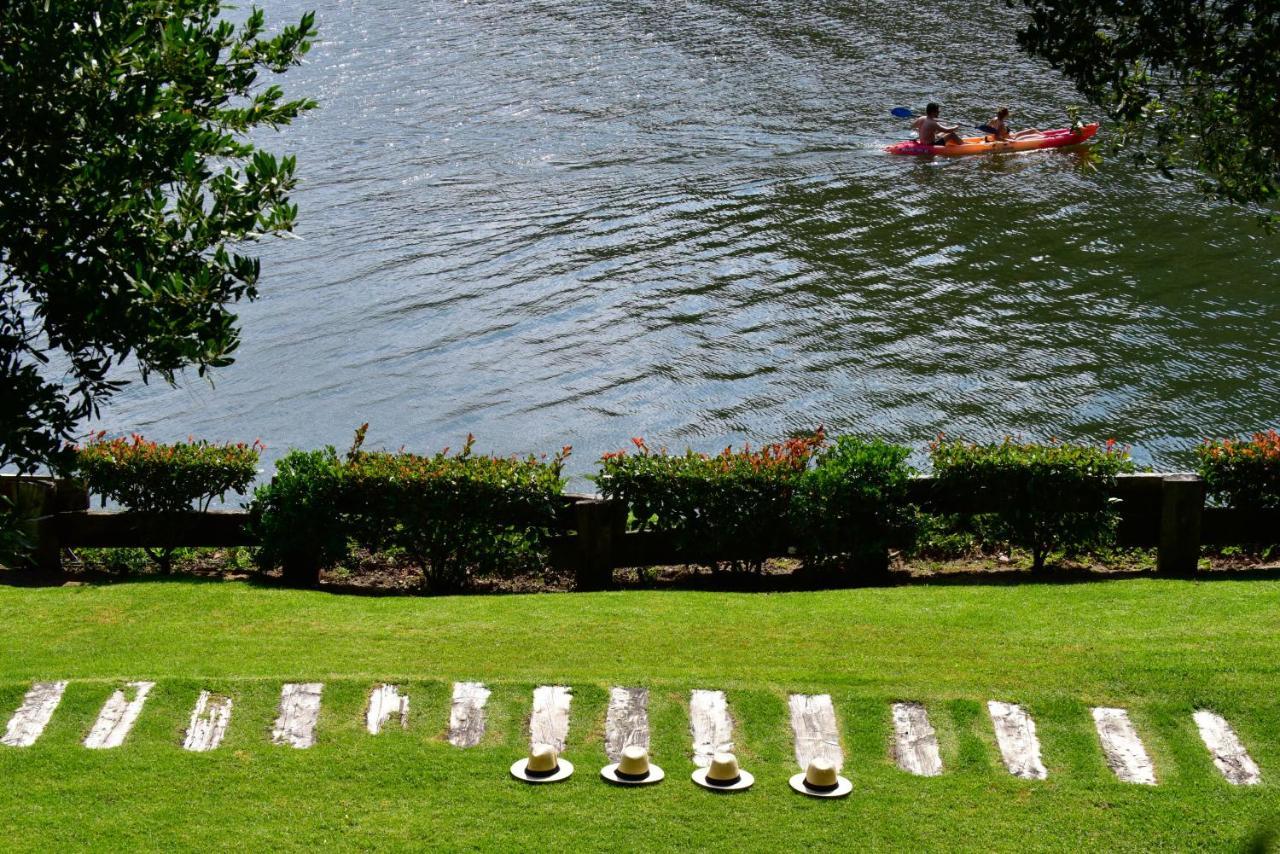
(582, 221)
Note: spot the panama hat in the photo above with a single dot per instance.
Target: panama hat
(633, 769)
(723, 775)
(821, 780)
(543, 765)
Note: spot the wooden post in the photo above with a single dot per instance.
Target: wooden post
(1182, 507)
(595, 520)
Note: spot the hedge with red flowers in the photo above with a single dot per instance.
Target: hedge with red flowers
(148, 476)
(1243, 473)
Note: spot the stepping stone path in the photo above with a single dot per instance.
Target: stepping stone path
(466, 713)
(384, 702)
(1124, 751)
(549, 723)
(209, 722)
(299, 711)
(1016, 736)
(711, 725)
(915, 744)
(33, 715)
(117, 717)
(1228, 753)
(627, 721)
(813, 723)
(813, 720)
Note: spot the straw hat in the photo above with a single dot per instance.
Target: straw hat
(633, 769)
(821, 780)
(542, 766)
(723, 775)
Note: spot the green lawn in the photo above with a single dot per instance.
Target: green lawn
(1159, 648)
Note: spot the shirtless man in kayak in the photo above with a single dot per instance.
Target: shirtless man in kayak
(930, 131)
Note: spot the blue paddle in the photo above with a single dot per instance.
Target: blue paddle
(904, 113)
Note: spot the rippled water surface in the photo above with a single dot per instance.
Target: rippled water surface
(579, 221)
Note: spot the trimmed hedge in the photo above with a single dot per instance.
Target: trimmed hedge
(152, 477)
(1047, 496)
(1242, 473)
(853, 504)
(838, 505)
(453, 515)
(730, 508)
(146, 476)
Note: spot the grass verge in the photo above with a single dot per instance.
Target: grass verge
(1159, 648)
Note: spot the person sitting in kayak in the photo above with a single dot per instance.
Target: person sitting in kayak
(930, 131)
(999, 124)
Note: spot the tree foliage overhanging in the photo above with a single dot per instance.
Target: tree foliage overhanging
(128, 189)
(1190, 83)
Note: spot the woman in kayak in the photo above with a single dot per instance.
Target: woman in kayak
(1000, 125)
(930, 131)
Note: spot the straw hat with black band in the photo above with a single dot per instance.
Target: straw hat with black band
(723, 775)
(543, 765)
(633, 768)
(821, 780)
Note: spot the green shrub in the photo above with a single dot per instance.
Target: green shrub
(298, 518)
(454, 515)
(1243, 473)
(1045, 496)
(853, 503)
(733, 507)
(146, 476)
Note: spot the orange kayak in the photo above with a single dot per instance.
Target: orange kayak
(986, 145)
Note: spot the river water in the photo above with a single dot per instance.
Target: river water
(584, 220)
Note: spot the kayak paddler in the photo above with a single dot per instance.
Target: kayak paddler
(1000, 125)
(930, 131)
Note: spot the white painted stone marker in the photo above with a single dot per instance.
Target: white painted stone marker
(299, 711)
(813, 719)
(209, 720)
(117, 717)
(1016, 735)
(1227, 750)
(711, 725)
(549, 723)
(627, 721)
(34, 714)
(466, 713)
(384, 702)
(915, 743)
(1124, 751)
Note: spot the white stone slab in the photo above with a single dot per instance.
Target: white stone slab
(549, 723)
(915, 744)
(1016, 736)
(299, 711)
(209, 720)
(1124, 751)
(813, 720)
(711, 725)
(627, 721)
(466, 713)
(385, 701)
(118, 716)
(37, 708)
(1227, 750)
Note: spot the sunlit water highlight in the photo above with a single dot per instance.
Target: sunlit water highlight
(575, 222)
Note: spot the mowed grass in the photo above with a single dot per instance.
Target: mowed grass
(1159, 648)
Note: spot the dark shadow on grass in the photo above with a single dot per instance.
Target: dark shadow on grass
(693, 578)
